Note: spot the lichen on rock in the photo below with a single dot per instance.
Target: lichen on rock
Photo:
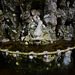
(37, 21)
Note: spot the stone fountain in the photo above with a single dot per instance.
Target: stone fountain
(38, 33)
(37, 21)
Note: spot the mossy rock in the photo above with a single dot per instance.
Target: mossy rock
(27, 38)
(45, 42)
(46, 37)
(37, 42)
(1, 12)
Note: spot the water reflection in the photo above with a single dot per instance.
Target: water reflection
(37, 67)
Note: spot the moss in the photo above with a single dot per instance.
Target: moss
(61, 44)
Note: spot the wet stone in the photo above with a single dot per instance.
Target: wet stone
(1, 12)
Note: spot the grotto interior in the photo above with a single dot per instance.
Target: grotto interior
(38, 22)
(43, 30)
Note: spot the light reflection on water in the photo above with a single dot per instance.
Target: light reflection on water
(11, 69)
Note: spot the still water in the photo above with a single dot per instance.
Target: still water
(25, 66)
(39, 67)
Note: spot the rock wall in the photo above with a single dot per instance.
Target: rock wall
(37, 21)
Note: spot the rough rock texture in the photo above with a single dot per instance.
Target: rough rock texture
(37, 21)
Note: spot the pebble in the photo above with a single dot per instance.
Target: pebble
(31, 57)
(7, 20)
(26, 43)
(47, 68)
(23, 31)
(14, 15)
(54, 29)
(46, 15)
(32, 26)
(22, 38)
(70, 35)
(10, 54)
(35, 56)
(14, 31)
(17, 63)
(14, 55)
(58, 64)
(7, 53)
(5, 40)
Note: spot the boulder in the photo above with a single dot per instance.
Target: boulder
(38, 31)
(27, 38)
(29, 19)
(38, 12)
(33, 12)
(1, 12)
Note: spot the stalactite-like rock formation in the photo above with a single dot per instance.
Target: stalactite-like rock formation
(37, 21)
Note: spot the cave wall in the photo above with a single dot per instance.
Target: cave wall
(64, 12)
(57, 15)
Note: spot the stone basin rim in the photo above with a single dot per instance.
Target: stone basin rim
(33, 53)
